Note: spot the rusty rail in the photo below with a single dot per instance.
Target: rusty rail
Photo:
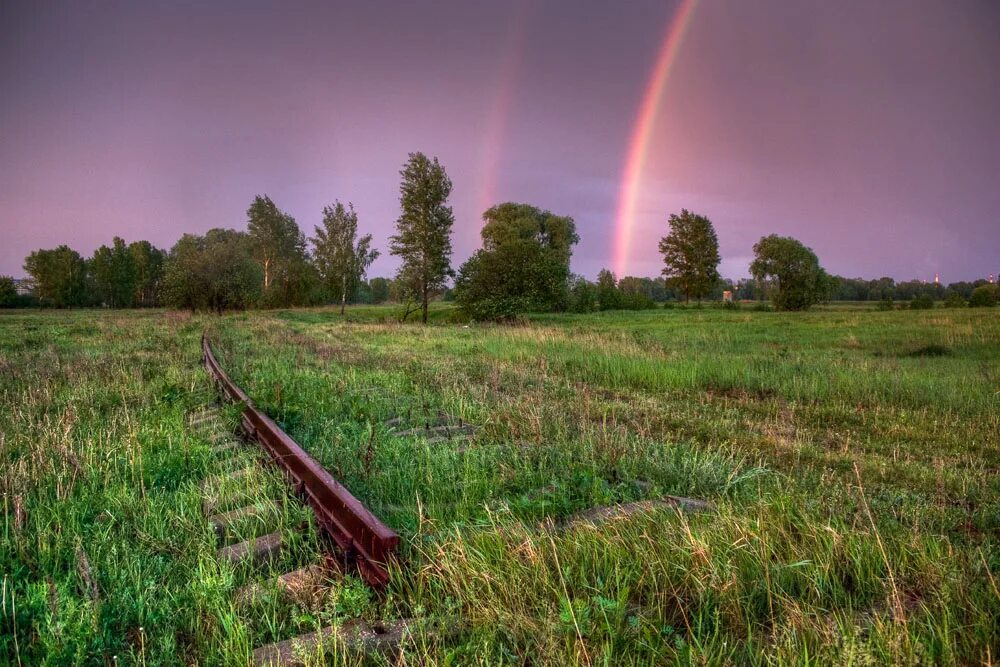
(360, 535)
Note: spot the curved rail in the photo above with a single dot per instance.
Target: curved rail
(360, 535)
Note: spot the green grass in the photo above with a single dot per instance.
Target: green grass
(852, 456)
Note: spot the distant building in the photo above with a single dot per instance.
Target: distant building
(24, 286)
(937, 278)
(727, 296)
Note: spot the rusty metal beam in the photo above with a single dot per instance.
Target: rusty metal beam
(361, 537)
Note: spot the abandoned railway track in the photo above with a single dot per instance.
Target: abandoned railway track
(242, 494)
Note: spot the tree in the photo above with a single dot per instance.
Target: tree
(522, 267)
(8, 292)
(212, 272)
(276, 242)
(341, 258)
(984, 296)
(513, 278)
(380, 290)
(799, 281)
(636, 293)
(582, 295)
(113, 273)
(609, 297)
(423, 238)
(148, 262)
(60, 276)
(691, 254)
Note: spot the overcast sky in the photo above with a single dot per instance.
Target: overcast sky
(868, 130)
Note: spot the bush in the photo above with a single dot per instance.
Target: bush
(730, 305)
(955, 300)
(922, 302)
(886, 304)
(984, 296)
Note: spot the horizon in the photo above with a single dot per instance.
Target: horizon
(868, 133)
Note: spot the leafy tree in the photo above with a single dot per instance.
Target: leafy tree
(636, 293)
(511, 222)
(148, 261)
(8, 292)
(922, 302)
(522, 267)
(582, 295)
(423, 238)
(515, 277)
(798, 279)
(212, 272)
(113, 273)
(955, 300)
(276, 242)
(691, 254)
(609, 297)
(340, 256)
(984, 296)
(380, 290)
(60, 276)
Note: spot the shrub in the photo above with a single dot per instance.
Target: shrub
(955, 300)
(886, 304)
(984, 296)
(922, 302)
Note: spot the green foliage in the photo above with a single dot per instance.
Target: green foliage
(279, 247)
(922, 302)
(8, 292)
(339, 255)
(522, 267)
(60, 277)
(799, 280)
(379, 290)
(147, 261)
(955, 300)
(114, 275)
(636, 293)
(691, 254)
(582, 295)
(423, 229)
(215, 272)
(609, 297)
(984, 296)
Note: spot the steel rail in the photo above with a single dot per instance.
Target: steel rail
(361, 537)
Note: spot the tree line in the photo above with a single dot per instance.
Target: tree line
(522, 266)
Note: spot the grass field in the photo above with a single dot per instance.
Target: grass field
(851, 456)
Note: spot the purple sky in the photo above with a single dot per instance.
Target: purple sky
(869, 130)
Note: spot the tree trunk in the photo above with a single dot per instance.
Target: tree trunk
(343, 293)
(267, 273)
(425, 290)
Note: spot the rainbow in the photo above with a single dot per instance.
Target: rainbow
(635, 160)
(505, 89)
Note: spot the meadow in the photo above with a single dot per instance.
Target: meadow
(850, 458)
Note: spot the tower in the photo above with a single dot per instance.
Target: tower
(937, 278)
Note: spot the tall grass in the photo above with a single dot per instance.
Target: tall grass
(853, 476)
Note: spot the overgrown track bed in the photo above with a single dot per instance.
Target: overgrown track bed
(361, 537)
(353, 537)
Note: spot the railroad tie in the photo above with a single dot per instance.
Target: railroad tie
(223, 521)
(216, 482)
(356, 635)
(302, 585)
(259, 551)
